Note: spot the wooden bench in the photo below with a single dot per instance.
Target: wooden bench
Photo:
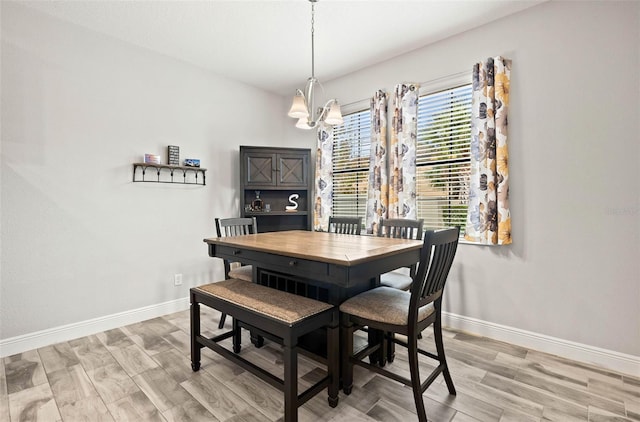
(280, 315)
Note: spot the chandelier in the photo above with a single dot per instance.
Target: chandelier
(303, 106)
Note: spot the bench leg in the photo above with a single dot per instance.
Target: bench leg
(290, 353)
(333, 363)
(195, 333)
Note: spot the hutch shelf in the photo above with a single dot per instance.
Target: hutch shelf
(163, 173)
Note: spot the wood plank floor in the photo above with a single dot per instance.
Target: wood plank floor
(142, 372)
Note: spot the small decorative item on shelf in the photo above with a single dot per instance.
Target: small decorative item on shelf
(173, 153)
(257, 203)
(294, 205)
(192, 162)
(152, 159)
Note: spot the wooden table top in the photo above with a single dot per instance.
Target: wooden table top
(341, 249)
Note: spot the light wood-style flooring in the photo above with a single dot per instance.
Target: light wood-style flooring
(142, 372)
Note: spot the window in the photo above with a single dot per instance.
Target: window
(351, 151)
(443, 157)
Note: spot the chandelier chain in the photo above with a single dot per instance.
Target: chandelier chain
(313, 12)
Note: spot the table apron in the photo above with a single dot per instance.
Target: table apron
(341, 275)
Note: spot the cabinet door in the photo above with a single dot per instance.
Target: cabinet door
(260, 169)
(293, 170)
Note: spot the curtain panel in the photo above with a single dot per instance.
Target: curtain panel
(378, 190)
(489, 217)
(322, 208)
(402, 153)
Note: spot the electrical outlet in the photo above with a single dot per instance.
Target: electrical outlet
(177, 279)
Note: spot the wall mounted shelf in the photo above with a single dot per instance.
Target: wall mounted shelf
(169, 174)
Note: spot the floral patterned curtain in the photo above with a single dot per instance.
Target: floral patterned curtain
(324, 179)
(402, 153)
(377, 198)
(489, 217)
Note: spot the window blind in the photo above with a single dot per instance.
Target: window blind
(351, 152)
(443, 157)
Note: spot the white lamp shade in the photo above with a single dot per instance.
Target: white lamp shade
(334, 117)
(302, 124)
(298, 108)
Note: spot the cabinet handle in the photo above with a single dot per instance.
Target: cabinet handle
(236, 252)
(293, 263)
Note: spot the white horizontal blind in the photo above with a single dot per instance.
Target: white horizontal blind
(443, 157)
(351, 152)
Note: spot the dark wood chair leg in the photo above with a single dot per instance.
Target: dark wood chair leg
(415, 376)
(437, 335)
(237, 337)
(333, 363)
(391, 348)
(223, 318)
(372, 338)
(256, 340)
(195, 333)
(290, 355)
(347, 351)
(383, 348)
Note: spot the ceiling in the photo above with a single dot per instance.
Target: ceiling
(267, 43)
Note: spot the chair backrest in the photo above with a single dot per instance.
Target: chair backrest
(438, 250)
(239, 226)
(404, 228)
(236, 226)
(345, 225)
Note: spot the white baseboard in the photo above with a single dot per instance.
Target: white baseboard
(609, 359)
(38, 339)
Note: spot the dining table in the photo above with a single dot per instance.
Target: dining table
(345, 265)
(325, 266)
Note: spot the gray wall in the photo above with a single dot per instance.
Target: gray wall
(573, 271)
(79, 239)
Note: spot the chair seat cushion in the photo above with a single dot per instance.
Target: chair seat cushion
(244, 272)
(283, 306)
(396, 279)
(384, 304)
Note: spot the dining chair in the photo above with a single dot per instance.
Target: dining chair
(408, 313)
(238, 226)
(345, 225)
(400, 228)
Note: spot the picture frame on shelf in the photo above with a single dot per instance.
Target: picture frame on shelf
(152, 159)
(173, 155)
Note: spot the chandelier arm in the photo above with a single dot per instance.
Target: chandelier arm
(325, 110)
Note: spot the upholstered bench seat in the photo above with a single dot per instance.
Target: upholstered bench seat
(282, 315)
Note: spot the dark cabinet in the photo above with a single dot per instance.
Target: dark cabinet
(283, 169)
(271, 177)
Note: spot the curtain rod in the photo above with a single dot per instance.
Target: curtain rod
(431, 81)
(451, 76)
